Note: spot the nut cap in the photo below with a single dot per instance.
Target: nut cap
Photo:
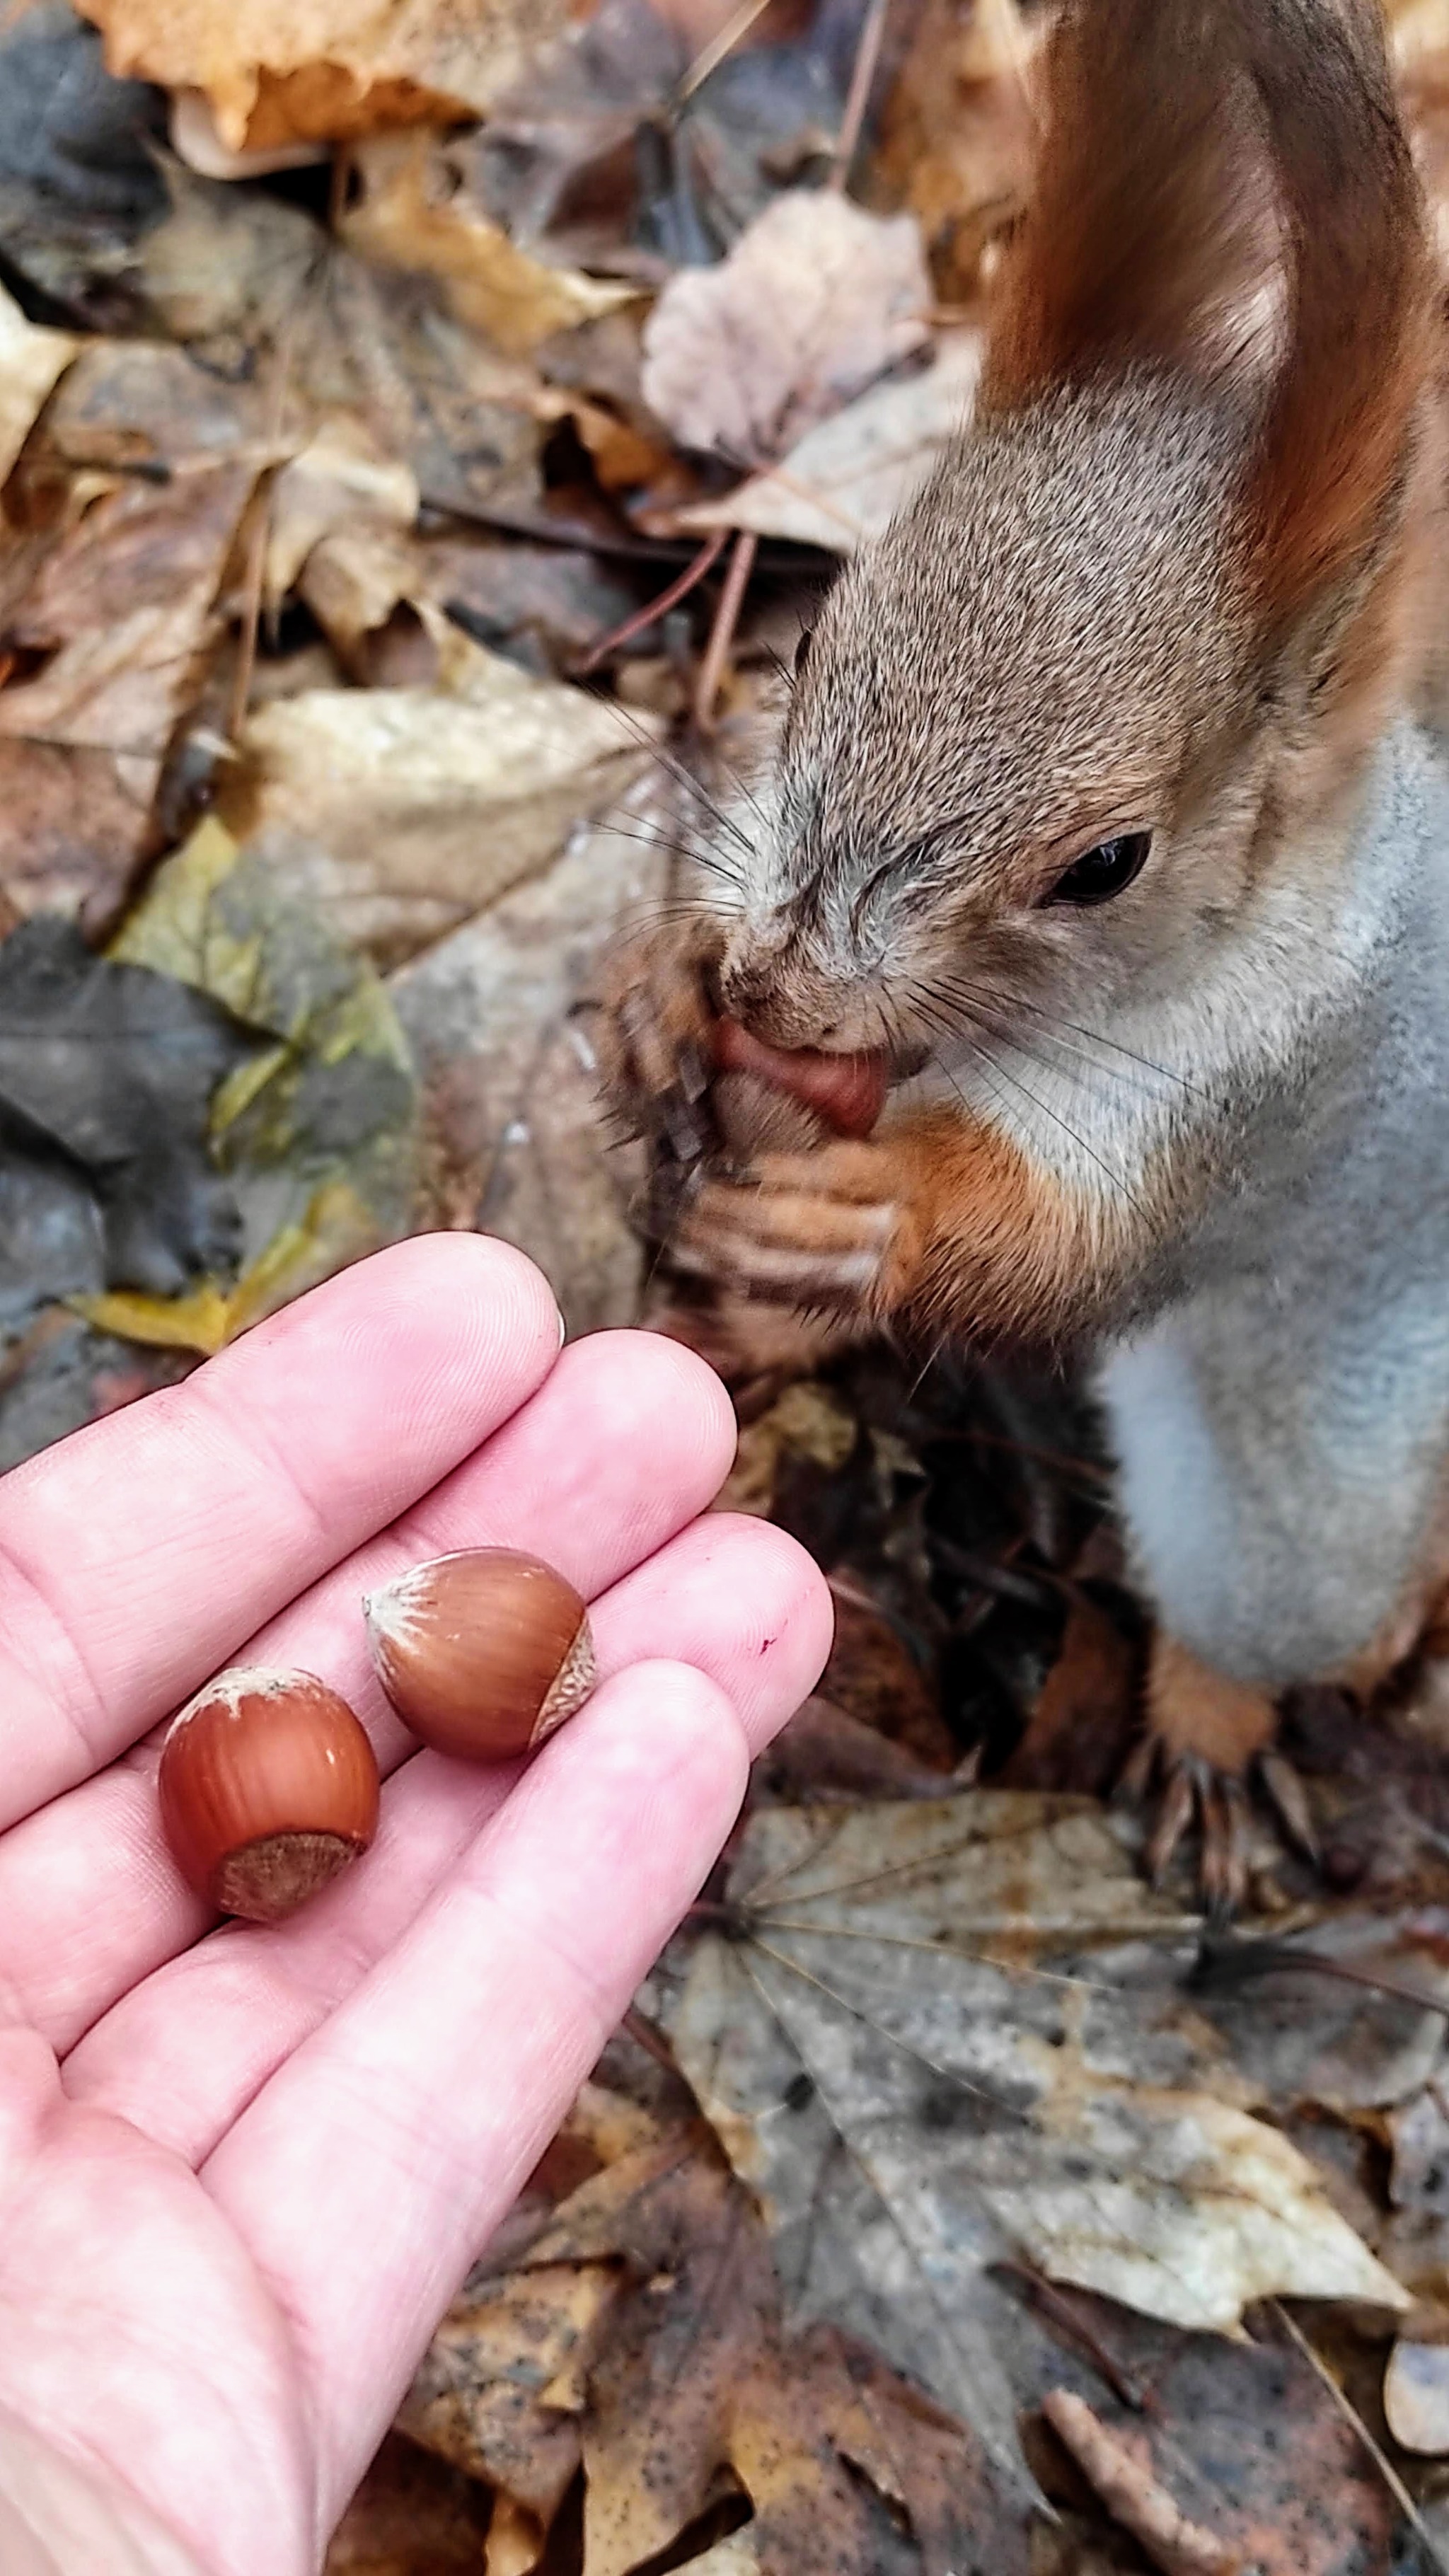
(268, 1787)
(482, 1653)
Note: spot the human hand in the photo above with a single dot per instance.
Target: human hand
(243, 2170)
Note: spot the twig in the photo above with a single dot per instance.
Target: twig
(862, 78)
(721, 634)
(738, 24)
(1043, 2294)
(1223, 1963)
(256, 558)
(641, 2030)
(1350, 2414)
(1133, 2496)
(653, 609)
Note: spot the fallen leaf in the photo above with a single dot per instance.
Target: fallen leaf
(32, 360)
(847, 478)
(403, 811)
(1080, 1731)
(411, 211)
(967, 2009)
(281, 69)
(640, 2336)
(825, 1754)
(520, 1139)
(123, 604)
(339, 478)
(411, 2516)
(107, 1076)
(814, 302)
(61, 1374)
(1416, 2396)
(317, 1133)
(1241, 2461)
(958, 133)
(612, 154)
(78, 177)
(806, 1421)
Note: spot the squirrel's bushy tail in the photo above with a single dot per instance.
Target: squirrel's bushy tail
(1196, 151)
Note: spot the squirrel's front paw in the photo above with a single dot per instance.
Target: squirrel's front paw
(829, 1228)
(653, 1031)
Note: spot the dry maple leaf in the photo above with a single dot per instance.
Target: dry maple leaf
(277, 70)
(815, 301)
(969, 2010)
(640, 2337)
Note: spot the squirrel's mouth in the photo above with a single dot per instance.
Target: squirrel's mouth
(847, 1090)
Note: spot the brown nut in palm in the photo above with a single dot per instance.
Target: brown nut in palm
(482, 1653)
(268, 1787)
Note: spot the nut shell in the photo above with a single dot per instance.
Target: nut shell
(268, 1787)
(847, 1091)
(482, 1653)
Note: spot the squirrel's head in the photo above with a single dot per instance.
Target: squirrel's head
(1050, 731)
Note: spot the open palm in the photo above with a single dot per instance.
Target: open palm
(242, 2170)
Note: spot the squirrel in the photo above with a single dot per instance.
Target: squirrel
(1109, 815)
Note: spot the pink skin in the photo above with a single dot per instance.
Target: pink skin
(242, 2170)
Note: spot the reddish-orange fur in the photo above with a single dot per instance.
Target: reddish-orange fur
(984, 1241)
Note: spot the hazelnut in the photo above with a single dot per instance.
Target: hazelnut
(482, 1653)
(847, 1091)
(268, 1787)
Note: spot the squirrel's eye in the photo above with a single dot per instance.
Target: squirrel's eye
(802, 650)
(1100, 873)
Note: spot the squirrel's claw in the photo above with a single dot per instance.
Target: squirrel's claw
(1289, 1801)
(1194, 1790)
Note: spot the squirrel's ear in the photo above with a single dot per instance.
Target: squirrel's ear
(1360, 321)
(1147, 222)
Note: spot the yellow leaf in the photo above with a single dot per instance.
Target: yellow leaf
(412, 214)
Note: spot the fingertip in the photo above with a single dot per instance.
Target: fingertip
(641, 1380)
(790, 1614)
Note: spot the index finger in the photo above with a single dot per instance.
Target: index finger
(141, 1553)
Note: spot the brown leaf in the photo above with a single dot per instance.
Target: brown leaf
(671, 2374)
(969, 2007)
(411, 2516)
(412, 211)
(404, 811)
(1120, 2468)
(124, 605)
(814, 302)
(279, 69)
(826, 1754)
(1078, 1734)
(31, 361)
(340, 478)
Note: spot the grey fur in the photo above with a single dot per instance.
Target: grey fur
(1283, 1422)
